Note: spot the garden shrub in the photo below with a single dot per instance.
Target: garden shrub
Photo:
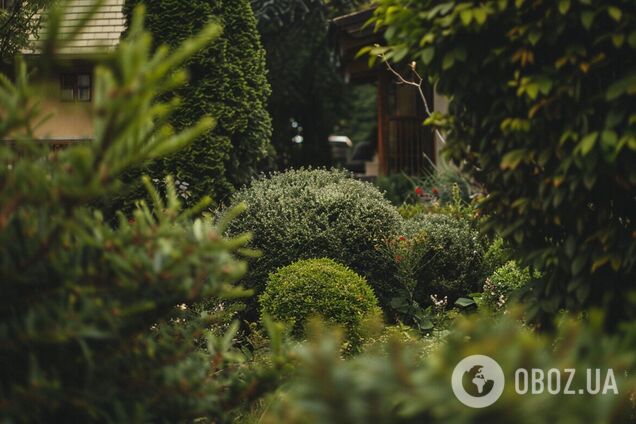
(408, 211)
(497, 255)
(542, 116)
(401, 385)
(451, 261)
(502, 283)
(319, 287)
(380, 341)
(228, 80)
(303, 214)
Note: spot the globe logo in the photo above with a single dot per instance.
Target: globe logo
(478, 381)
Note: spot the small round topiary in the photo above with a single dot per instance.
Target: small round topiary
(502, 283)
(304, 214)
(319, 287)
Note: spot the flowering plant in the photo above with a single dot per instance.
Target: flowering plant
(408, 260)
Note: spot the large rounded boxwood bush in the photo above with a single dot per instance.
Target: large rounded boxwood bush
(303, 214)
(319, 287)
(452, 261)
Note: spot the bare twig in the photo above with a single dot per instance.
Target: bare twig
(419, 84)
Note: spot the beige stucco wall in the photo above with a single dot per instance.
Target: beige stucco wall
(67, 121)
(440, 104)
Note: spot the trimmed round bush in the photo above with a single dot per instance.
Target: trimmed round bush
(500, 285)
(452, 261)
(304, 214)
(319, 287)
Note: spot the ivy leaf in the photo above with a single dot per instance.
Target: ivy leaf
(466, 16)
(480, 16)
(544, 84)
(427, 39)
(588, 142)
(600, 262)
(621, 86)
(534, 37)
(449, 61)
(564, 6)
(615, 13)
(587, 18)
(399, 52)
(618, 40)
(427, 55)
(609, 138)
(578, 264)
(512, 159)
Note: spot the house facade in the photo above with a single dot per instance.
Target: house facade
(69, 85)
(404, 144)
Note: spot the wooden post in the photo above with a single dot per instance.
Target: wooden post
(383, 121)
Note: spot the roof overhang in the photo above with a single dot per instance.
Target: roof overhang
(350, 34)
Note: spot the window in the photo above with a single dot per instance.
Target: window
(84, 88)
(76, 87)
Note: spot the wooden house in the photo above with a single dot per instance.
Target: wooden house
(68, 86)
(404, 144)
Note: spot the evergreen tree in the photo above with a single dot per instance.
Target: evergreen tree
(96, 323)
(228, 80)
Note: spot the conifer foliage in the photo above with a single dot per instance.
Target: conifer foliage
(94, 325)
(228, 80)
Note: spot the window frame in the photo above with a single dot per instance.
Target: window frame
(71, 81)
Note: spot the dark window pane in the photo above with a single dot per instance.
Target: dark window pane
(84, 87)
(68, 84)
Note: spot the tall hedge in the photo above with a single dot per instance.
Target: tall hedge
(543, 114)
(228, 80)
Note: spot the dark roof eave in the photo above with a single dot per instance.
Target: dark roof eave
(358, 18)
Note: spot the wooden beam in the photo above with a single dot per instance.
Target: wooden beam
(383, 122)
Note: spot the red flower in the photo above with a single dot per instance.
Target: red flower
(435, 192)
(419, 191)
(398, 259)
(402, 238)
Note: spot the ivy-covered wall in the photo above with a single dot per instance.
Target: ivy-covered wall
(227, 81)
(543, 116)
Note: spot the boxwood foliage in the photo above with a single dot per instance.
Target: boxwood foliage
(303, 214)
(452, 261)
(543, 114)
(506, 279)
(228, 80)
(319, 287)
